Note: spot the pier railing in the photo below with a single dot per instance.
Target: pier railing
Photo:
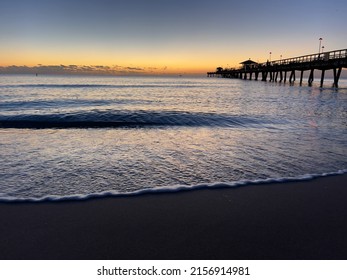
(324, 56)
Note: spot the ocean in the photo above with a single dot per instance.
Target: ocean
(74, 137)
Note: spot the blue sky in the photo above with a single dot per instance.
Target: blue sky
(178, 36)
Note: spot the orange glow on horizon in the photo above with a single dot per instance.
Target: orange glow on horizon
(159, 61)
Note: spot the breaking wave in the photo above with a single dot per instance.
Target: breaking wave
(171, 189)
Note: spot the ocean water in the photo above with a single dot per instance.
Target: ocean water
(71, 137)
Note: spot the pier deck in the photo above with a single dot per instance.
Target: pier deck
(278, 70)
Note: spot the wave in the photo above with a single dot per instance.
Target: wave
(114, 119)
(39, 104)
(173, 189)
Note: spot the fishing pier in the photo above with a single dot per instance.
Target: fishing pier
(280, 70)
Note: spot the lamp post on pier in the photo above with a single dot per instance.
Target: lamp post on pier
(320, 43)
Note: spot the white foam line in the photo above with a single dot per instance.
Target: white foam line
(171, 189)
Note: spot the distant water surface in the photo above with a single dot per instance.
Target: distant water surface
(75, 137)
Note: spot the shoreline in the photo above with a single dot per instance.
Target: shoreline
(287, 220)
(171, 189)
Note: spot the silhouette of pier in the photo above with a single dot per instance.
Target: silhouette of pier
(280, 70)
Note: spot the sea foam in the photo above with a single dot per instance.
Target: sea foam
(173, 189)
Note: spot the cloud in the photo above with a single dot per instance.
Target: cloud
(75, 69)
(135, 68)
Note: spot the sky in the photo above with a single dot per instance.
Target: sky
(162, 36)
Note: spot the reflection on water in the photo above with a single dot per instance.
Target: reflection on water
(276, 131)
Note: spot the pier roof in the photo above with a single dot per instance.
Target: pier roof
(248, 62)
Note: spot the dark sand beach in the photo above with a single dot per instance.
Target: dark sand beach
(295, 220)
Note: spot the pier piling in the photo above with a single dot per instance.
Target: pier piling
(322, 78)
(311, 77)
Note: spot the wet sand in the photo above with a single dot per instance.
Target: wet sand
(295, 220)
